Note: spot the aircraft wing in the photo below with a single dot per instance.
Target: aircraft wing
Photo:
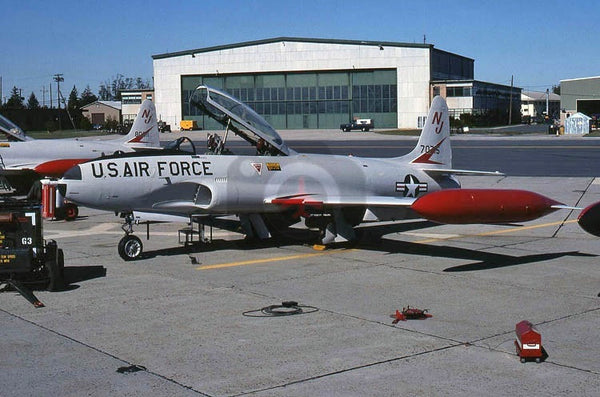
(319, 201)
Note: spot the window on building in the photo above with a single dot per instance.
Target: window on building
(131, 99)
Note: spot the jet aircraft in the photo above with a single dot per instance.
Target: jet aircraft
(24, 160)
(276, 187)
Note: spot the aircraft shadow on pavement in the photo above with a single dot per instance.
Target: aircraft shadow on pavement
(372, 238)
(222, 245)
(484, 260)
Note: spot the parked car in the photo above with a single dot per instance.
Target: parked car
(359, 124)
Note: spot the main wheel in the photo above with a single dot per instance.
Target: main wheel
(71, 212)
(130, 247)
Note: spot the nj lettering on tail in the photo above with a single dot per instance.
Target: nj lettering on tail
(437, 119)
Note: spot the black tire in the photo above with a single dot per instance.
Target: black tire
(130, 248)
(55, 265)
(71, 211)
(60, 261)
(59, 213)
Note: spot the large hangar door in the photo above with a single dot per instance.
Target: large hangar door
(589, 107)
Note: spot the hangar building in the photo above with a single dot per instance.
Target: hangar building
(580, 95)
(297, 83)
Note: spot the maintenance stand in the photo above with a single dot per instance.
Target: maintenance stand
(26, 259)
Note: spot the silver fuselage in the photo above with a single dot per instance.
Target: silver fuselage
(209, 184)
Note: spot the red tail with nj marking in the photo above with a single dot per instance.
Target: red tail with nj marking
(144, 131)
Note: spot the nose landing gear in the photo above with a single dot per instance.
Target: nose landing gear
(130, 246)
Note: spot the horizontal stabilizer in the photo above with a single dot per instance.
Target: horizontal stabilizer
(439, 171)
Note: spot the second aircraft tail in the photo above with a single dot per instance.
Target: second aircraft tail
(144, 131)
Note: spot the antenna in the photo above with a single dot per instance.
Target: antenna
(58, 78)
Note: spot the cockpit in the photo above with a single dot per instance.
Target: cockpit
(239, 118)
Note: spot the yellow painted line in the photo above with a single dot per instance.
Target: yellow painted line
(503, 231)
(269, 260)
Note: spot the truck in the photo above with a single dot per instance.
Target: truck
(358, 124)
(188, 125)
(27, 260)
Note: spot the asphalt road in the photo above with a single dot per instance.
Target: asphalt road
(516, 156)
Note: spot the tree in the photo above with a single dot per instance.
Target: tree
(110, 90)
(32, 102)
(104, 93)
(16, 100)
(87, 97)
(73, 102)
(556, 89)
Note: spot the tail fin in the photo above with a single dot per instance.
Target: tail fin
(144, 131)
(433, 149)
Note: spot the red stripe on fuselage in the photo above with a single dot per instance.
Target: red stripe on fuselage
(56, 168)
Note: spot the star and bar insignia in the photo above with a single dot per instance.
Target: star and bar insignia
(411, 187)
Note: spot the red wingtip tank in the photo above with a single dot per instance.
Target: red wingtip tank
(465, 206)
(589, 219)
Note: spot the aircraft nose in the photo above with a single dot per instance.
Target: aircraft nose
(65, 187)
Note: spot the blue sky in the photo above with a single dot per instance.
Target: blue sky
(539, 42)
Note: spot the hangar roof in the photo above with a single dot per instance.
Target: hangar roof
(290, 39)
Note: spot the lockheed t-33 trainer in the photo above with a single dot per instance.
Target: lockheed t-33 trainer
(278, 187)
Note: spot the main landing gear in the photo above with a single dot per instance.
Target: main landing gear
(130, 247)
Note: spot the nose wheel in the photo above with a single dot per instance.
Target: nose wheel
(130, 247)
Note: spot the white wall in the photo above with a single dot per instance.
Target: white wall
(412, 66)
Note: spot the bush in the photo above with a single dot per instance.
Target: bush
(85, 124)
(111, 124)
(50, 126)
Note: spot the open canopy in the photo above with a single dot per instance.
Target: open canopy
(11, 130)
(239, 118)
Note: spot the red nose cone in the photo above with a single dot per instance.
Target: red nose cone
(462, 206)
(57, 168)
(589, 219)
